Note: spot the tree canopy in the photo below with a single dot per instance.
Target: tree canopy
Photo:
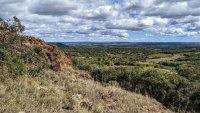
(14, 25)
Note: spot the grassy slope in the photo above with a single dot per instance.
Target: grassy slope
(64, 91)
(53, 91)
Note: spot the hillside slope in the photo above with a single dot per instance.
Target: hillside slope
(36, 77)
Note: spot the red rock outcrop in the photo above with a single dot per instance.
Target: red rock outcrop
(53, 56)
(56, 57)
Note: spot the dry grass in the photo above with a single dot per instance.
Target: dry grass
(53, 91)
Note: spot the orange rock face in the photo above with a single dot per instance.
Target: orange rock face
(56, 57)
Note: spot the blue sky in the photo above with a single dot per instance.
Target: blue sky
(107, 20)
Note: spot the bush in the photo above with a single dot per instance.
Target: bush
(190, 72)
(38, 49)
(17, 66)
(29, 56)
(38, 69)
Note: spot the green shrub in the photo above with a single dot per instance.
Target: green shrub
(190, 72)
(17, 66)
(29, 56)
(38, 49)
(38, 69)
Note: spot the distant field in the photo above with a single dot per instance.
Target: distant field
(164, 58)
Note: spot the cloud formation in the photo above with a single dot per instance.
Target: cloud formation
(87, 19)
(53, 7)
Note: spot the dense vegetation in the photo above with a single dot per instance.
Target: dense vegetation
(169, 74)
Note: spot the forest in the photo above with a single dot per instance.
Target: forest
(171, 75)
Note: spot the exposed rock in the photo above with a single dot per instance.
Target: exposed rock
(57, 59)
(85, 75)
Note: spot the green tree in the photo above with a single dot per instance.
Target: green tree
(14, 25)
(18, 25)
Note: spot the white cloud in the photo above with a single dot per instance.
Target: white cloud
(53, 7)
(99, 13)
(105, 18)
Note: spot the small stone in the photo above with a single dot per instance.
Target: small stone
(79, 96)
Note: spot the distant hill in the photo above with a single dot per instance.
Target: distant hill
(133, 44)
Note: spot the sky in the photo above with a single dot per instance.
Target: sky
(107, 20)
